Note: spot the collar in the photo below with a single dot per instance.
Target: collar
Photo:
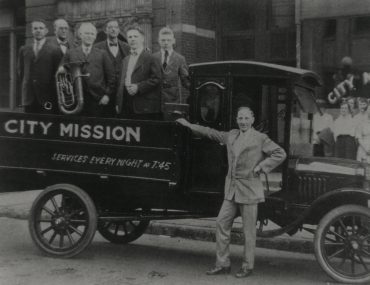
(109, 42)
(41, 42)
(170, 51)
(138, 51)
(246, 133)
(62, 42)
(86, 48)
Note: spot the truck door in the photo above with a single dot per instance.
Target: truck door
(209, 158)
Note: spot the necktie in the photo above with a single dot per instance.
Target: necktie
(86, 51)
(37, 47)
(133, 52)
(165, 59)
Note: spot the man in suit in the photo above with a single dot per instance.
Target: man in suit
(117, 51)
(37, 64)
(138, 95)
(98, 84)
(61, 31)
(174, 68)
(249, 153)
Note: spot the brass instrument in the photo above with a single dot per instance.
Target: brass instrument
(70, 89)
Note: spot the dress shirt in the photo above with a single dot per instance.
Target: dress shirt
(359, 119)
(37, 45)
(86, 50)
(238, 143)
(131, 64)
(113, 47)
(321, 122)
(63, 45)
(170, 51)
(344, 126)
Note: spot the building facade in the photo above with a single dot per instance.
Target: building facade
(205, 30)
(330, 30)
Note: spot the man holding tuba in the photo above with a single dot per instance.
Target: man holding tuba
(97, 74)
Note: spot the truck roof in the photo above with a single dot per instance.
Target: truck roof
(254, 68)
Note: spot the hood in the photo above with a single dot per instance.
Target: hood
(329, 165)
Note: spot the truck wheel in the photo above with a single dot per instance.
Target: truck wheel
(342, 244)
(62, 220)
(122, 232)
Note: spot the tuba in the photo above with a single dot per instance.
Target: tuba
(69, 88)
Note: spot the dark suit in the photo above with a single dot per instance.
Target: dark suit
(176, 71)
(38, 77)
(100, 81)
(243, 188)
(147, 101)
(54, 42)
(116, 63)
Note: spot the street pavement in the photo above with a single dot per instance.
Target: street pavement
(17, 205)
(150, 260)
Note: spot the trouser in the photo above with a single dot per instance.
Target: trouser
(224, 224)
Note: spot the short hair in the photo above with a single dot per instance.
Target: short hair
(166, 31)
(246, 108)
(110, 20)
(59, 20)
(362, 100)
(86, 25)
(135, 28)
(38, 20)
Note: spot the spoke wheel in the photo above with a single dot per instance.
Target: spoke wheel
(63, 220)
(122, 232)
(342, 244)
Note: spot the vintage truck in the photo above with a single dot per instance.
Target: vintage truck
(115, 175)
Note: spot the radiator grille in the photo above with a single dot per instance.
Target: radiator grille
(311, 187)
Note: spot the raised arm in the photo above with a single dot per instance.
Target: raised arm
(207, 132)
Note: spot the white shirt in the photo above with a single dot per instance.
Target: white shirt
(86, 50)
(239, 142)
(38, 45)
(131, 65)
(344, 126)
(113, 49)
(321, 122)
(358, 120)
(62, 45)
(170, 51)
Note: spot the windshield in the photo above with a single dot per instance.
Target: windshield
(303, 109)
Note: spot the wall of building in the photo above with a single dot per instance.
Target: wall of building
(333, 29)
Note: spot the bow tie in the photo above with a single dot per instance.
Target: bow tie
(63, 44)
(113, 44)
(133, 52)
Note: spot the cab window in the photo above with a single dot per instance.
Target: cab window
(210, 102)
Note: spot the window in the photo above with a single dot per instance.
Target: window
(210, 102)
(362, 25)
(330, 28)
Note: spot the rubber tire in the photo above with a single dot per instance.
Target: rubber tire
(138, 232)
(92, 220)
(325, 221)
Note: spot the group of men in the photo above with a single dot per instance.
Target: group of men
(120, 79)
(125, 80)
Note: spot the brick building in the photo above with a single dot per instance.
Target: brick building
(206, 30)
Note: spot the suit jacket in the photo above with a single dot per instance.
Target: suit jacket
(101, 76)
(38, 73)
(116, 62)
(176, 71)
(123, 47)
(147, 75)
(241, 184)
(53, 41)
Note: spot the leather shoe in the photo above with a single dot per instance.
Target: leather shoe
(219, 270)
(243, 272)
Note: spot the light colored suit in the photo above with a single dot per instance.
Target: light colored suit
(243, 188)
